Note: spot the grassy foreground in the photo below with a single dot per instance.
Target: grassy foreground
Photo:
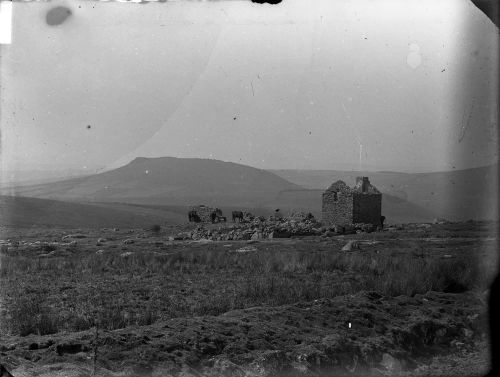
(116, 284)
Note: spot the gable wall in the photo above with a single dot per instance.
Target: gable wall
(337, 212)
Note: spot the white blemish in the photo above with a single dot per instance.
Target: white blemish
(360, 157)
(414, 58)
(147, 171)
(349, 324)
(5, 22)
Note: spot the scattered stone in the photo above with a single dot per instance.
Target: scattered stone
(245, 249)
(351, 245)
(440, 220)
(100, 251)
(391, 364)
(126, 254)
(78, 235)
(468, 333)
(46, 255)
(256, 236)
(425, 225)
(128, 241)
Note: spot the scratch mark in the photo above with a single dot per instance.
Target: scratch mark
(464, 127)
(253, 93)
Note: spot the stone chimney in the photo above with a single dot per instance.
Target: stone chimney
(363, 183)
(366, 184)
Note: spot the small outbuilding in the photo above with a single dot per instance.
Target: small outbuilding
(343, 205)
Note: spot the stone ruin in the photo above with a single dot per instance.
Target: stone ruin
(205, 213)
(343, 205)
(298, 224)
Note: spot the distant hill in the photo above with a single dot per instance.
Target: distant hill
(167, 181)
(170, 184)
(455, 195)
(27, 212)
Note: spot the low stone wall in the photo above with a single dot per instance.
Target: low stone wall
(204, 213)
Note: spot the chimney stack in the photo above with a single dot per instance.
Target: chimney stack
(366, 184)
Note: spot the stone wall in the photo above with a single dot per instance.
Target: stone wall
(337, 208)
(367, 208)
(343, 205)
(204, 213)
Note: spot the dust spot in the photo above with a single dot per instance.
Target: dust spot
(89, 127)
(57, 15)
(266, 1)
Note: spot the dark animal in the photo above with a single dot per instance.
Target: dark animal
(193, 217)
(216, 216)
(382, 219)
(237, 215)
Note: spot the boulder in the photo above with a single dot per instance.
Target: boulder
(440, 220)
(351, 245)
(256, 236)
(391, 364)
(126, 254)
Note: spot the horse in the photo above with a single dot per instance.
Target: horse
(382, 219)
(214, 216)
(237, 215)
(193, 217)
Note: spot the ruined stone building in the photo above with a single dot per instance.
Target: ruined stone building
(344, 205)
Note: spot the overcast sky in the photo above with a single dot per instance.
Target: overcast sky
(412, 85)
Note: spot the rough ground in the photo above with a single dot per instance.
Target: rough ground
(314, 314)
(387, 336)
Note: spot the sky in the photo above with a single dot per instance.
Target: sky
(306, 84)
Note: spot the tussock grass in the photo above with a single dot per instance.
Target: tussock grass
(46, 295)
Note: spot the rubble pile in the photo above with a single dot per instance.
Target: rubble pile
(254, 230)
(297, 224)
